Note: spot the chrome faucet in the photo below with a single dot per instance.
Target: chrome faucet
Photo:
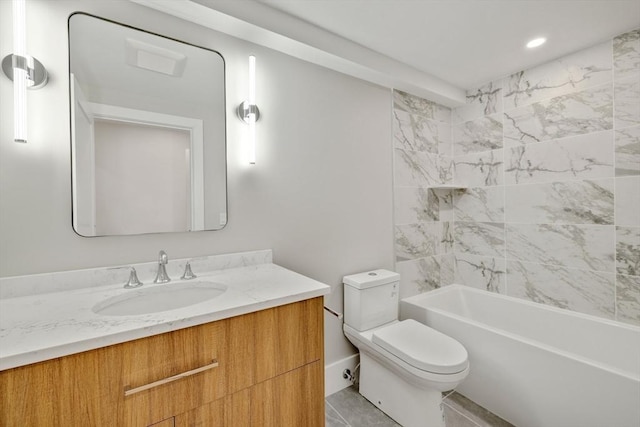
(162, 276)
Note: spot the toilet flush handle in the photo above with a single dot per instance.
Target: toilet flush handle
(335, 313)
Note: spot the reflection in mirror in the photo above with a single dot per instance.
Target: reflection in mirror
(147, 131)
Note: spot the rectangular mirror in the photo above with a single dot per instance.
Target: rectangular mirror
(148, 137)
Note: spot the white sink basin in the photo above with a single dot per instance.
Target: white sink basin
(161, 297)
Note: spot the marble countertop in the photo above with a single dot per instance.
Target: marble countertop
(44, 326)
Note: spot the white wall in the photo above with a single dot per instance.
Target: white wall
(320, 195)
(157, 161)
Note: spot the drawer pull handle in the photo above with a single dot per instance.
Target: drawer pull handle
(171, 379)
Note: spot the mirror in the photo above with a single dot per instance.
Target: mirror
(148, 137)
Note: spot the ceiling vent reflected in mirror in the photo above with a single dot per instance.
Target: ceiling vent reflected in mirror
(154, 58)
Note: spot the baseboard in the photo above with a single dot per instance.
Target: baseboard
(333, 381)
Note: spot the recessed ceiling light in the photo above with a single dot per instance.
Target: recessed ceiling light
(536, 42)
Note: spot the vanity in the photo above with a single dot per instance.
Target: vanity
(252, 355)
(229, 340)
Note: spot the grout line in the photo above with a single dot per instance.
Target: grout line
(394, 186)
(544, 223)
(454, 180)
(463, 415)
(448, 394)
(337, 412)
(504, 196)
(615, 180)
(471, 254)
(547, 98)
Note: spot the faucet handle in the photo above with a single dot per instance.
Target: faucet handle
(188, 274)
(133, 281)
(163, 258)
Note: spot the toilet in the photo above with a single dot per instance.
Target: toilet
(404, 365)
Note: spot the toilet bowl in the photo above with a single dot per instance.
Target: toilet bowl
(404, 365)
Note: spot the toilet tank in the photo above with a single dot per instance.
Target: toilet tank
(371, 299)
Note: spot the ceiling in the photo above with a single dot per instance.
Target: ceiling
(436, 49)
(468, 42)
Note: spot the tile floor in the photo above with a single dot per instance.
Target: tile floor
(347, 408)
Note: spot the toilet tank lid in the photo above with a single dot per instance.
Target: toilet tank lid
(372, 278)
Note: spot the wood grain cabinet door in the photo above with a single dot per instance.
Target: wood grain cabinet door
(230, 411)
(171, 373)
(288, 337)
(77, 390)
(292, 399)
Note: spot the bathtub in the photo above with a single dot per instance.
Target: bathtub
(536, 365)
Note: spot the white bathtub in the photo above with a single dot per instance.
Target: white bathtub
(536, 365)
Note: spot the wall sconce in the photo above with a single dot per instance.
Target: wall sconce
(24, 70)
(248, 111)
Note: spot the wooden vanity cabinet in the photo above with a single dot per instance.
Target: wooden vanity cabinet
(259, 369)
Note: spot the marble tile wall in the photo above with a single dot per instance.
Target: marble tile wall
(423, 216)
(551, 156)
(551, 159)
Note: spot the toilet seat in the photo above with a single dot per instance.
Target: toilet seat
(419, 377)
(422, 347)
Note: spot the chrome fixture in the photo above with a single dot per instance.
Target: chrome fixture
(36, 74)
(162, 276)
(25, 71)
(188, 274)
(335, 313)
(245, 109)
(133, 281)
(249, 112)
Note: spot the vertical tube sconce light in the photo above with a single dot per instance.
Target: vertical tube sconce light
(24, 70)
(19, 72)
(249, 113)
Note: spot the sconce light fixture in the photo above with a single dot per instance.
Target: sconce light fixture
(24, 70)
(248, 111)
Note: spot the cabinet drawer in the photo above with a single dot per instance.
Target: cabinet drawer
(171, 373)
